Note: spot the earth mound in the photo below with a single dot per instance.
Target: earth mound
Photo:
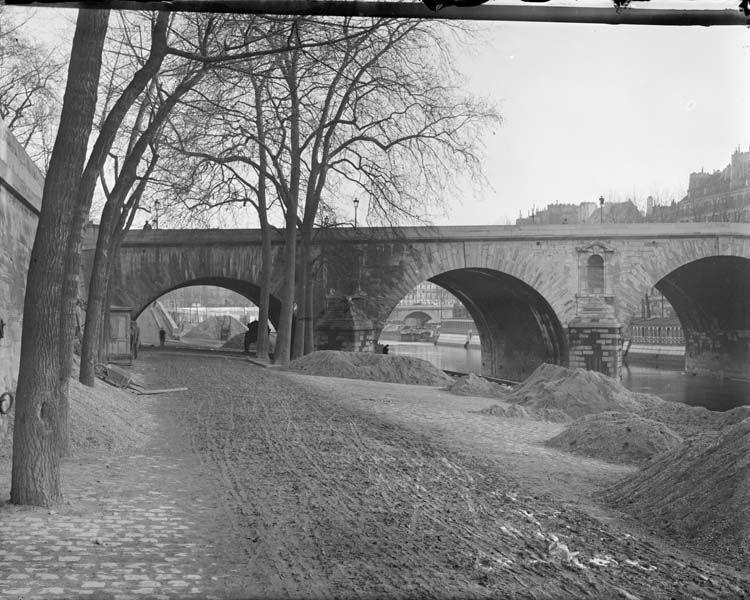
(689, 420)
(515, 411)
(616, 437)
(236, 342)
(211, 328)
(575, 391)
(374, 367)
(100, 417)
(473, 385)
(106, 417)
(698, 492)
(578, 393)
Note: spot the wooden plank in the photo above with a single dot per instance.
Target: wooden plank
(143, 392)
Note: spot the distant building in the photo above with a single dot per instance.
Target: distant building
(585, 212)
(660, 213)
(719, 196)
(654, 304)
(428, 294)
(618, 212)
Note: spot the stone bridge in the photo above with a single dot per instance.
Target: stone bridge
(421, 313)
(558, 293)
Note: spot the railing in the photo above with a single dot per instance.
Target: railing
(663, 335)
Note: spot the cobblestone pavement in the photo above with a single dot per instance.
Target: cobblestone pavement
(144, 525)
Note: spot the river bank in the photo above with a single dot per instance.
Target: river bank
(302, 486)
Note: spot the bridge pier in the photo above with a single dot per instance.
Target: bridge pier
(345, 326)
(718, 353)
(595, 339)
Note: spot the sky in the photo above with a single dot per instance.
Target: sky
(619, 111)
(594, 110)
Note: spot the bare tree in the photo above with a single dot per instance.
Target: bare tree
(30, 77)
(198, 44)
(354, 106)
(36, 456)
(378, 116)
(117, 216)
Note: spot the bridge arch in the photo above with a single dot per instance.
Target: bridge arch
(707, 282)
(140, 299)
(711, 297)
(418, 318)
(517, 326)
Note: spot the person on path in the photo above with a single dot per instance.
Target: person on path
(162, 337)
(135, 335)
(251, 335)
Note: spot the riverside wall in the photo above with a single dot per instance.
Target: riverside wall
(21, 186)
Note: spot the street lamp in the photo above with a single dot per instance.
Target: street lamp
(156, 214)
(356, 204)
(601, 204)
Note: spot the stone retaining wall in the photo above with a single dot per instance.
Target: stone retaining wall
(21, 186)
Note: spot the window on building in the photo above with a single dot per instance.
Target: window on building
(595, 274)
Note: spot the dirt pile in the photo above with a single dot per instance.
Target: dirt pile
(374, 367)
(107, 417)
(236, 342)
(473, 385)
(698, 491)
(211, 328)
(100, 417)
(515, 411)
(574, 391)
(689, 420)
(578, 393)
(616, 437)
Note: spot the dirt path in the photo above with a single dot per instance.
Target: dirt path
(259, 483)
(358, 489)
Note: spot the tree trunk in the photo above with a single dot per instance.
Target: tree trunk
(303, 341)
(112, 222)
(91, 343)
(39, 423)
(262, 345)
(93, 168)
(284, 337)
(309, 307)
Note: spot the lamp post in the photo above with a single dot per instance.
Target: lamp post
(156, 214)
(356, 205)
(601, 204)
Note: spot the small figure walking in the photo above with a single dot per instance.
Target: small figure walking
(251, 335)
(135, 334)
(162, 337)
(386, 348)
(468, 339)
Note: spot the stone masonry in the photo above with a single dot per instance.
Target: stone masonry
(21, 186)
(521, 284)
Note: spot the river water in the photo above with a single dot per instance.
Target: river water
(669, 384)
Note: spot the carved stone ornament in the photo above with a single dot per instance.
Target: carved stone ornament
(595, 248)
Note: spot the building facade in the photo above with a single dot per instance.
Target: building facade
(718, 196)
